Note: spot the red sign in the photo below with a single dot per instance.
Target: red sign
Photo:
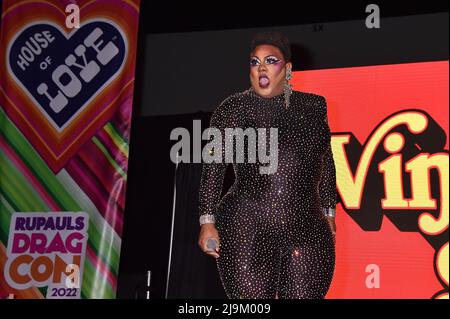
(389, 128)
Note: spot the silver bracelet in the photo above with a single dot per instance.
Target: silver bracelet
(207, 219)
(329, 212)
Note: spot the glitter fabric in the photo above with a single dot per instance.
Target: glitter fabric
(274, 236)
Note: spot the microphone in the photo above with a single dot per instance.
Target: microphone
(211, 244)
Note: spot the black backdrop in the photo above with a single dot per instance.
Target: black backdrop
(148, 216)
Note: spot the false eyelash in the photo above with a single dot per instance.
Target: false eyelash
(254, 61)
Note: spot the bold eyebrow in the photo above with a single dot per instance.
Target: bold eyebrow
(270, 55)
(273, 56)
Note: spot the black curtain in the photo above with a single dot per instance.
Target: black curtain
(193, 274)
(148, 217)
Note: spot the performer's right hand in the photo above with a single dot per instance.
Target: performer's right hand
(209, 231)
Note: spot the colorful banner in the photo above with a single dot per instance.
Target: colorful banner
(66, 100)
(390, 130)
(43, 248)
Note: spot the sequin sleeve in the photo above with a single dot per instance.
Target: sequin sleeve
(327, 185)
(213, 173)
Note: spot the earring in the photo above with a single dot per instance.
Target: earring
(287, 88)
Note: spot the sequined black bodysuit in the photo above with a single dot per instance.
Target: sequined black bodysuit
(274, 235)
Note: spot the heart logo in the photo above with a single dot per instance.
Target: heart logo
(61, 73)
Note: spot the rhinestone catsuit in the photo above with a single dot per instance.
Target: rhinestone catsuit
(274, 236)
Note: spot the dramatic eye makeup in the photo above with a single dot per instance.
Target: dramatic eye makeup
(254, 61)
(271, 59)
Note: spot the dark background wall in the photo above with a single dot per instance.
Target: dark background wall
(188, 64)
(188, 72)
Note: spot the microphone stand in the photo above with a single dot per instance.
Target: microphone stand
(173, 223)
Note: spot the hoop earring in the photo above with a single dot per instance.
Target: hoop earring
(287, 88)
